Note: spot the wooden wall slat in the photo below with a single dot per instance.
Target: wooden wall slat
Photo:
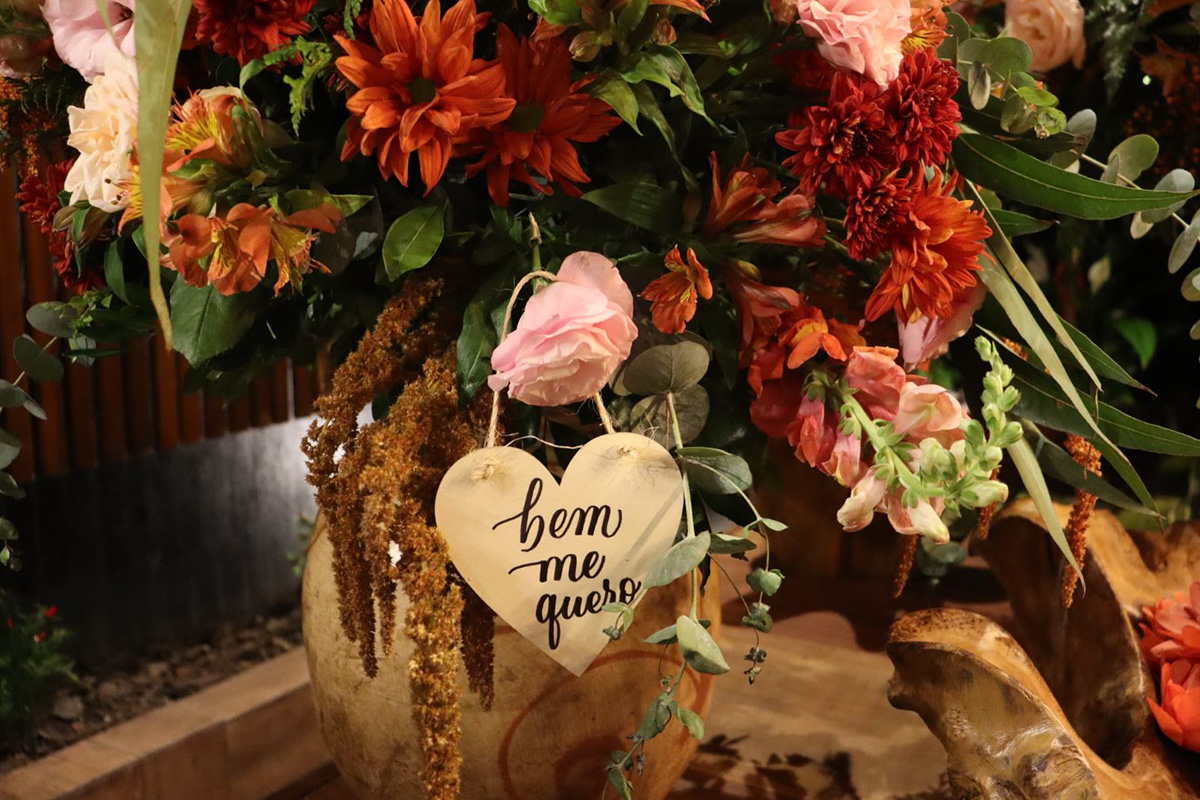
(215, 423)
(81, 400)
(281, 392)
(239, 414)
(304, 391)
(53, 456)
(139, 399)
(114, 444)
(260, 401)
(191, 408)
(12, 321)
(166, 396)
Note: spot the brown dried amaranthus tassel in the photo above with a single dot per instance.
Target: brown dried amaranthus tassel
(478, 646)
(908, 554)
(1088, 457)
(983, 524)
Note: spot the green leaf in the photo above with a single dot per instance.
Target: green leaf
(725, 544)
(613, 89)
(1006, 55)
(666, 368)
(666, 635)
(159, 34)
(10, 448)
(54, 318)
(1177, 180)
(479, 335)
(645, 205)
(979, 85)
(1101, 362)
(15, 397)
(1012, 173)
(624, 610)
(114, 271)
(759, 618)
(1035, 484)
(207, 323)
(760, 580)
(37, 363)
(698, 647)
(1185, 243)
(651, 416)
(631, 15)
(1141, 335)
(715, 471)
(1057, 463)
(682, 558)
(1013, 223)
(693, 722)
(413, 240)
(9, 487)
(558, 12)
(1137, 154)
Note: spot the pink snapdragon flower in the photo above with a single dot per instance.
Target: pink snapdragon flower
(863, 36)
(877, 380)
(928, 411)
(81, 36)
(572, 336)
(930, 337)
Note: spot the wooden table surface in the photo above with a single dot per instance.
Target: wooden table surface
(817, 723)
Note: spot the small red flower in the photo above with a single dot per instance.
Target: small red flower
(853, 134)
(935, 256)
(551, 113)
(249, 29)
(807, 70)
(40, 637)
(51, 611)
(875, 209)
(743, 207)
(674, 295)
(39, 201)
(921, 101)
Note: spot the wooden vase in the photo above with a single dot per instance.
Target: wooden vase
(548, 734)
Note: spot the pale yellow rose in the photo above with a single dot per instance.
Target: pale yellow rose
(1053, 29)
(104, 132)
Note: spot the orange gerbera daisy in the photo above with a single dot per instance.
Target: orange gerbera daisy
(935, 256)
(419, 90)
(551, 112)
(674, 295)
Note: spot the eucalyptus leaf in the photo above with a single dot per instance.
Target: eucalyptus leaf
(10, 448)
(693, 722)
(726, 544)
(54, 318)
(666, 368)
(765, 581)
(15, 397)
(759, 618)
(651, 416)
(715, 471)
(9, 487)
(979, 84)
(1185, 243)
(683, 557)
(1177, 180)
(699, 650)
(1137, 154)
(37, 363)
(666, 635)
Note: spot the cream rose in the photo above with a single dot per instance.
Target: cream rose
(104, 132)
(1053, 29)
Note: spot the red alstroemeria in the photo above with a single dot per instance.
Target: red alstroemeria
(850, 135)
(419, 89)
(761, 309)
(809, 333)
(928, 26)
(674, 295)
(935, 256)
(743, 207)
(552, 113)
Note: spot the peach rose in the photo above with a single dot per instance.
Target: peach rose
(570, 339)
(1179, 714)
(1053, 29)
(863, 36)
(104, 132)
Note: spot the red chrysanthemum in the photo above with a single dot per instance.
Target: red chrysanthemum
(934, 256)
(807, 70)
(551, 113)
(875, 209)
(419, 90)
(853, 134)
(921, 101)
(39, 201)
(249, 29)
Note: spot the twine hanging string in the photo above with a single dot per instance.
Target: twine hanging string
(494, 424)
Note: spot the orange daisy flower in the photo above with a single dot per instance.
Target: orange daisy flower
(419, 90)
(551, 112)
(674, 295)
(935, 256)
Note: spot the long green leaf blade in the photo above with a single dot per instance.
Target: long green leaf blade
(1035, 483)
(1007, 171)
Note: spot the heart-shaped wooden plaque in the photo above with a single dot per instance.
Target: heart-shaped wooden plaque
(547, 557)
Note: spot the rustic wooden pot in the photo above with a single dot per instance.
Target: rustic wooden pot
(548, 734)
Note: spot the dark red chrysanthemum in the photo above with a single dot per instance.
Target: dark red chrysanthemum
(875, 209)
(39, 201)
(807, 70)
(853, 135)
(249, 29)
(921, 101)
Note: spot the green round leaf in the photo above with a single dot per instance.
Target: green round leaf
(9, 487)
(979, 85)
(760, 580)
(1006, 55)
(1177, 180)
(1137, 155)
(666, 368)
(682, 558)
(1185, 243)
(37, 363)
(54, 318)
(715, 471)
(651, 417)
(10, 446)
(698, 647)
(1191, 286)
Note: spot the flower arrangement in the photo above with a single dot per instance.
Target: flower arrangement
(771, 221)
(1171, 642)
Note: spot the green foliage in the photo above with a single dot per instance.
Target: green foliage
(316, 62)
(1119, 25)
(413, 239)
(207, 323)
(32, 663)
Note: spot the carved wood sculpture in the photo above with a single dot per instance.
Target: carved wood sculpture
(1065, 716)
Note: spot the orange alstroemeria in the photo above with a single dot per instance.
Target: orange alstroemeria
(761, 309)
(743, 207)
(928, 26)
(810, 333)
(674, 295)
(232, 253)
(419, 89)
(552, 112)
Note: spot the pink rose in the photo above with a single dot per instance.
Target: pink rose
(930, 337)
(1053, 29)
(928, 411)
(81, 37)
(862, 36)
(570, 339)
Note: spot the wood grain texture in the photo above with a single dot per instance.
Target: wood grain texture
(547, 736)
(52, 450)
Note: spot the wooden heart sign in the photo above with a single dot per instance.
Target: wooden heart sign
(547, 557)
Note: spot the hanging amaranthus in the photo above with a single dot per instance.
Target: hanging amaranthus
(1088, 457)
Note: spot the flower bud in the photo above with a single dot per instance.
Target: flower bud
(587, 45)
(985, 493)
(664, 32)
